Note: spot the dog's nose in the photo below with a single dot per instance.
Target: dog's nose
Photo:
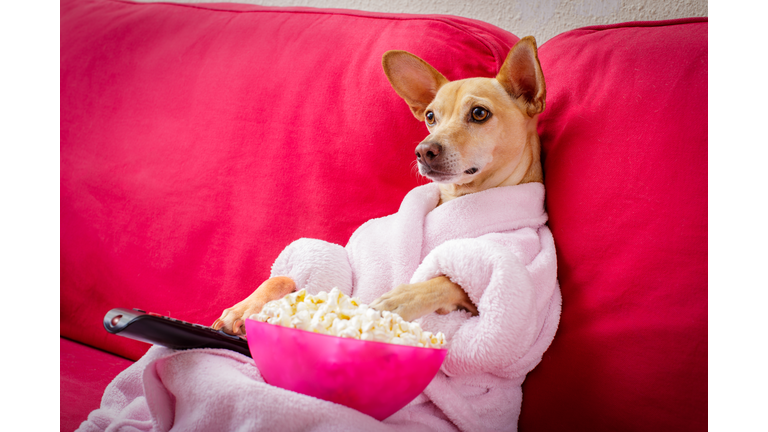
(428, 151)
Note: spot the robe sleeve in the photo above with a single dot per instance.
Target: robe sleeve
(315, 265)
(515, 301)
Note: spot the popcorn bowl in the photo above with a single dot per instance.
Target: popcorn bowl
(375, 378)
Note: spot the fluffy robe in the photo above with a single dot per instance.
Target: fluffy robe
(494, 243)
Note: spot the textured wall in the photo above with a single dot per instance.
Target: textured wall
(540, 18)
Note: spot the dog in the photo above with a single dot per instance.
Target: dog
(482, 135)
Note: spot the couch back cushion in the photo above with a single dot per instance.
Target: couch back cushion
(625, 159)
(197, 141)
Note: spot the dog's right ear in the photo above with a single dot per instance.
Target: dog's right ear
(413, 79)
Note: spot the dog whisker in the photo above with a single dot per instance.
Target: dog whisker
(415, 173)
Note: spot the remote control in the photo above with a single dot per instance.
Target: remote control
(169, 332)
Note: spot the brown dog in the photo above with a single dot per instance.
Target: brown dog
(482, 135)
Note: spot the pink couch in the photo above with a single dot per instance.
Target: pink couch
(198, 140)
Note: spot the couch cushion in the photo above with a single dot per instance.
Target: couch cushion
(85, 372)
(625, 159)
(197, 141)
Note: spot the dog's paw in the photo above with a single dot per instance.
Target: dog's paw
(408, 301)
(411, 301)
(232, 320)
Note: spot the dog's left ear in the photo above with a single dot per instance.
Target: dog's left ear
(521, 75)
(413, 79)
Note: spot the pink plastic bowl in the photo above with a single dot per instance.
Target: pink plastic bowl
(374, 378)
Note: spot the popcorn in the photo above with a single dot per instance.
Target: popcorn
(334, 313)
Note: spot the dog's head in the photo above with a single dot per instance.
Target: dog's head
(482, 130)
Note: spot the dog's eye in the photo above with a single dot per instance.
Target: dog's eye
(430, 117)
(480, 114)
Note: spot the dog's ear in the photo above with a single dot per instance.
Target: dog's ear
(521, 75)
(413, 79)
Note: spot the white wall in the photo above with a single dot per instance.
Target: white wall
(541, 18)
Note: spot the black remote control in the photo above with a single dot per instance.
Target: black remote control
(169, 332)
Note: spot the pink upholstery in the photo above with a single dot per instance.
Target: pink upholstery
(85, 372)
(198, 140)
(625, 162)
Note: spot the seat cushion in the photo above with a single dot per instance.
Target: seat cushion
(85, 373)
(624, 140)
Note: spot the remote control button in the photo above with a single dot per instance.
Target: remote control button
(116, 320)
(156, 315)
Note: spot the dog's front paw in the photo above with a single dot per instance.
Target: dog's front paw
(232, 320)
(408, 301)
(411, 301)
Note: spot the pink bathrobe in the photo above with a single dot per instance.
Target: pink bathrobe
(494, 243)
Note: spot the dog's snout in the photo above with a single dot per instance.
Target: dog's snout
(428, 151)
